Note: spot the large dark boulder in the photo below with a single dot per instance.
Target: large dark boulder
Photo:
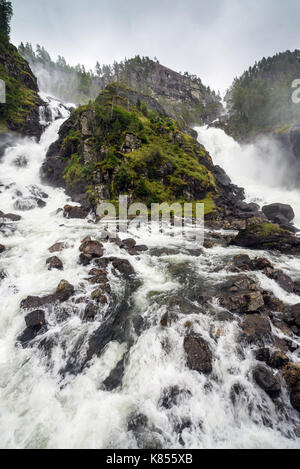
(267, 236)
(277, 213)
(198, 354)
(241, 295)
(267, 381)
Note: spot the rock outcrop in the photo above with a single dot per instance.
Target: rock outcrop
(20, 113)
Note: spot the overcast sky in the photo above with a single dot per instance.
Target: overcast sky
(215, 39)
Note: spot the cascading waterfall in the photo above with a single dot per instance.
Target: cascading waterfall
(260, 168)
(44, 408)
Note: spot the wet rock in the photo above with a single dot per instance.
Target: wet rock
(292, 316)
(10, 216)
(21, 161)
(256, 328)
(57, 247)
(172, 395)
(198, 354)
(98, 295)
(128, 243)
(85, 259)
(54, 263)
(90, 312)
(141, 248)
(2, 248)
(35, 320)
(114, 380)
(279, 213)
(75, 212)
(64, 291)
(243, 262)
(285, 282)
(137, 422)
(241, 295)
(276, 360)
(291, 374)
(92, 248)
(266, 380)
(264, 236)
(38, 192)
(3, 275)
(123, 266)
(25, 204)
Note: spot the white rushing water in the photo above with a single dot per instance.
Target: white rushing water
(41, 408)
(260, 168)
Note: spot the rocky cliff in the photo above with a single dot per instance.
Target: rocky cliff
(124, 143)
(21, 111)
(183, 96)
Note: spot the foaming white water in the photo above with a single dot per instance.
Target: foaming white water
(41, 409)
(260, 168)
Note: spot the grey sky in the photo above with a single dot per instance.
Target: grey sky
(215, 39)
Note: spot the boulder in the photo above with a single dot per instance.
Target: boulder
(10, 216)
(291, 374)
(198, 354)
(266, 380)
(241, 295)
(54, 263)
(63, 292)
(128, 243)
(2, 248)
(57, 247)
(92, 248)
(172, 395)
(256, 328)
(35, 320)
(279, 213)
(90, 312)
(283, 280)
(75, 212)
(267, 236)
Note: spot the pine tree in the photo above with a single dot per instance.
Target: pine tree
(6, 12)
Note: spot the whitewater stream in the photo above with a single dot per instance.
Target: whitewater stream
(40, 407)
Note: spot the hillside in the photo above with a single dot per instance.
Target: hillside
(21, 111)
(124, 143)
(183, 95)
(260, 101)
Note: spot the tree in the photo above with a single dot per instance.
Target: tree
(6, 12)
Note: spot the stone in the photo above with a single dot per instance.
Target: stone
(54, 263)
(172, 395)
(75, 212)
(256, 328)
(266, 380)
(64, 291)
(57, 247)
(284, 281)
(2, 248)
(291, 374)
(241, 295)
(198, 354)
(90, 312)
(128, 243)
(92, 248)
(35, 320)
(272, 212)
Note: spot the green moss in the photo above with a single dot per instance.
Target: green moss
(21, 98)
(165, 165)
(266, 229)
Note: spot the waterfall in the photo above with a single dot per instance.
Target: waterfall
(41, 407)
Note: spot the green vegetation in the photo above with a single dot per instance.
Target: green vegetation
(266, 229)
(78, 85)
(5, 18)
(261, 99)
(148, 158)
(21, 87)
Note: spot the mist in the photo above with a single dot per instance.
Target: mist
(215, 40)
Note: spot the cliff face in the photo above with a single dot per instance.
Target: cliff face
(183, 97)
(21, 111)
